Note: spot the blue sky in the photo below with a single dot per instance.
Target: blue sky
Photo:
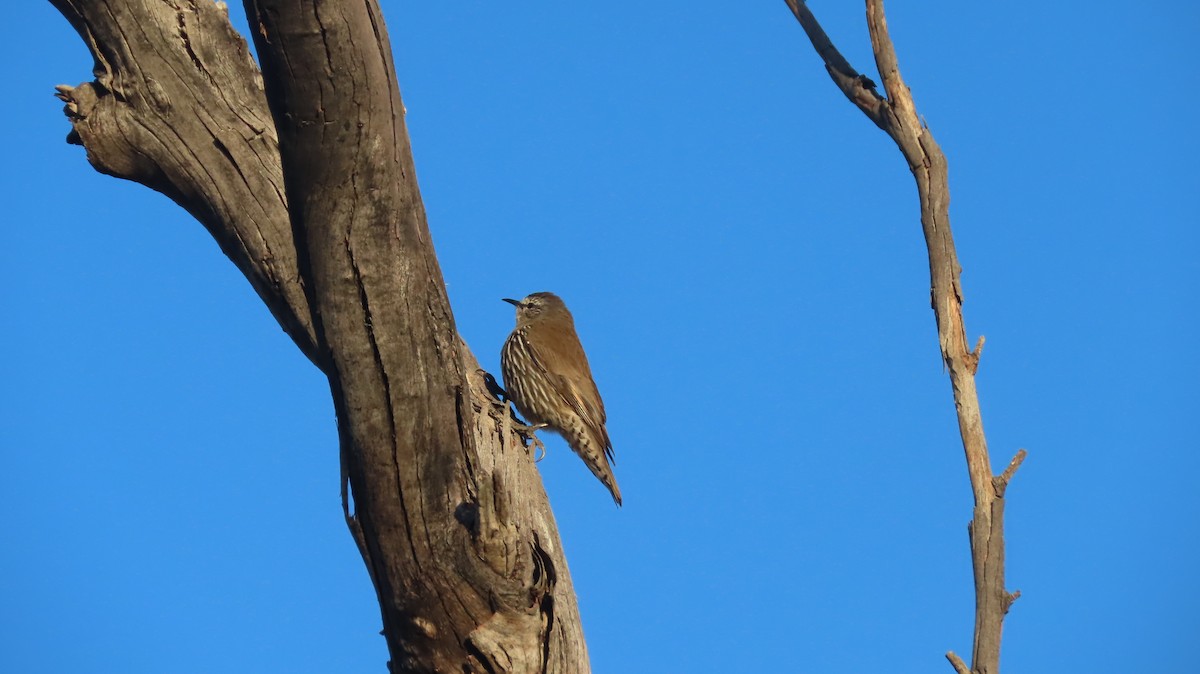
(742, 253)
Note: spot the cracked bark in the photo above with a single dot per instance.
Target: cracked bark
(309, 188)
(896, 115)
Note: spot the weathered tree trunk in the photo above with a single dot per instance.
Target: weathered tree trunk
(326, 221)
(897, 116)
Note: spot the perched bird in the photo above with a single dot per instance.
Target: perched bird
(549, 381)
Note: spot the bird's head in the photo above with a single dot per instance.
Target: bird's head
(539, 306)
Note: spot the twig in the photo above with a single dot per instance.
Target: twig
(1001, 483)
(958, 664)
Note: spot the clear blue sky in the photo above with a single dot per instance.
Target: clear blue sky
(741, 249)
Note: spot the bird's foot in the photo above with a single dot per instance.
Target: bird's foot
(529, 432)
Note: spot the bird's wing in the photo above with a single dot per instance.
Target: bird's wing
(566, 367)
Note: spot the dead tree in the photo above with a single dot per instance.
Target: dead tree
(304, 176)
(897, 115)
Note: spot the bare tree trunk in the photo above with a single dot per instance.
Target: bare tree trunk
(896, 114)
(326, 222)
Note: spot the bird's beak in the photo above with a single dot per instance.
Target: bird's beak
(515, 303)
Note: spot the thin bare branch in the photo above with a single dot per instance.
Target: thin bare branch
(974, 356)
(900, 98)
(959, 665)
(1007, 475)
(859, 89)
(897, 116)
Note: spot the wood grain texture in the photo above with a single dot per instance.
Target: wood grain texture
(306, 180)
(177, 105)
(896, 115)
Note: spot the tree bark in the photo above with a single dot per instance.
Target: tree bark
(325, 220)
(897, 115)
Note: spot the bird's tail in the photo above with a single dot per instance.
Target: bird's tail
(594, 452)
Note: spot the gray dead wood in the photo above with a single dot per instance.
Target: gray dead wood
(896, 114)
(447, 508)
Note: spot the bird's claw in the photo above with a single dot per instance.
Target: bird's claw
(529, 432)
(537, 444)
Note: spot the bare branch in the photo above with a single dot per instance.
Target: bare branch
(897, 116)
(1001, 483)
(181, 110)
(859, 89)
(889, 69)
(974, 356)
(959, 665)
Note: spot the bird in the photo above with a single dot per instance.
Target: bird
(547, 377)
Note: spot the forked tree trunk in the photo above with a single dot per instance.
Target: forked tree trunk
(308, 186)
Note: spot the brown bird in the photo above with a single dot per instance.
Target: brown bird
(548, 379)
